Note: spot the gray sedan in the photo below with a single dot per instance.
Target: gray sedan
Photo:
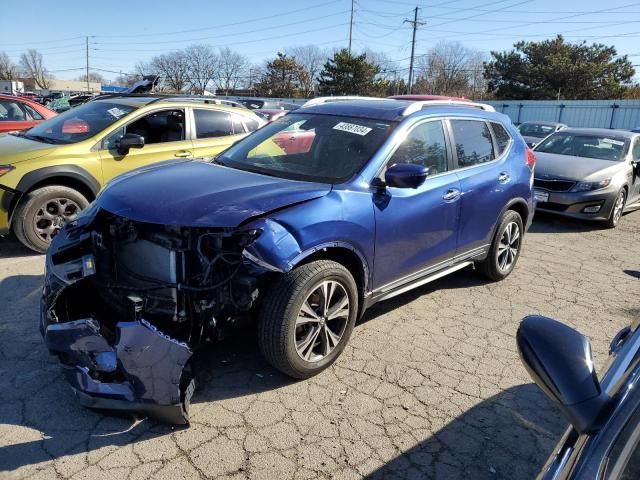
(588, 173)
(534, 132)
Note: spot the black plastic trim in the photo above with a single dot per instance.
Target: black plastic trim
(70, 171)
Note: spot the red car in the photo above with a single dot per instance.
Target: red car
(422, 98)
(19, 113)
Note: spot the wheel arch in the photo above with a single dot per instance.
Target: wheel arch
(71, 176)
(342, 253)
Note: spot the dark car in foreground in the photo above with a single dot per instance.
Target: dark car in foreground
(376, 201)
(603, 440)
(588, 173)
(534, 132)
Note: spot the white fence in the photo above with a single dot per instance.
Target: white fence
(624, 114)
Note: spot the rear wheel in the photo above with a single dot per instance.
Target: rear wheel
(43, 212)
(505, 248)
(618, 208)
(308, 317)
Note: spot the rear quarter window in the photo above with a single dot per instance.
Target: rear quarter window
(502, 137)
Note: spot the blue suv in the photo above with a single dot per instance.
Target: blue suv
(302, 225)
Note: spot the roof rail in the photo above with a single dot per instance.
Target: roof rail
(204, 99)
(159, 97)
(345, 98)
(417, 106)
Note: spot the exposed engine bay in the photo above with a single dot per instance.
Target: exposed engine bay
(126, 304)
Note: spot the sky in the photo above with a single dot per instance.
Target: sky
(124, 33)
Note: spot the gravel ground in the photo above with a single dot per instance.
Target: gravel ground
(429, 386)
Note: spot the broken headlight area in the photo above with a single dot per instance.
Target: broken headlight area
(126, 304)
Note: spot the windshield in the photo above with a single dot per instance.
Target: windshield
(535, 130)
(315, 148)
(588, 146)
(79, 123)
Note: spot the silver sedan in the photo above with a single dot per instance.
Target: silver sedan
(588, 173)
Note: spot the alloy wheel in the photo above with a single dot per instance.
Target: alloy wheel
(508, 246)
(321, 321)
(618, 208)
(53, 215)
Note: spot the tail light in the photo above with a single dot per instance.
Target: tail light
(530, 159)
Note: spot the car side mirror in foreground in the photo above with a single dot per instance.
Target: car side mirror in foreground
(128, 141)
(558, 359)
(406, 175)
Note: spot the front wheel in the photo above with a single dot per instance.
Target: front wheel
(307, 318)
(505, 248)
(618, 208)
(43, 212)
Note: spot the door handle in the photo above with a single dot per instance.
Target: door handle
(504, 177)
(183, 154)
(451, 194)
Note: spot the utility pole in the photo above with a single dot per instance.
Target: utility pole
(351, 24)
(87, 44)
(415, 24)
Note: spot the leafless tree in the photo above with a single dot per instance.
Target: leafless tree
(173, 69)
(232, 70)
(93, 77)
(127, 80)
(311, 59)
(203, 64)
(31, 63)
(450, 68)
(8, 69)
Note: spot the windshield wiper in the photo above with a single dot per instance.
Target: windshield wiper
(43, 139)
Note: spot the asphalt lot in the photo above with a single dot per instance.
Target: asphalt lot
(430, 385)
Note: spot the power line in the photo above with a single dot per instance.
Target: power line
(287, 35)
(218, 26)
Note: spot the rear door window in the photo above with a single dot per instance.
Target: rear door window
(212, 123)
(473, 142)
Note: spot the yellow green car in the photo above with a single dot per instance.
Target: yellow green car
(51, 172)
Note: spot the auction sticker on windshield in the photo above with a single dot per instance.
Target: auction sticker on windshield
(116, 112)
(611, 141)
(352, 128)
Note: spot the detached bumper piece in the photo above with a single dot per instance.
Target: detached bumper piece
(143, 373)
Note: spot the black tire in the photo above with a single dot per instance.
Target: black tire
(277, 328)
(614, 217)
(24, 216)
(492, 267)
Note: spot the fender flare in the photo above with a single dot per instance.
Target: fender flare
(511, 203)
(338, 244)
(70, 171)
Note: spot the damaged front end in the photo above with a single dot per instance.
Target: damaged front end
(126, 304)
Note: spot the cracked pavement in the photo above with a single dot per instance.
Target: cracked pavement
(430, 384)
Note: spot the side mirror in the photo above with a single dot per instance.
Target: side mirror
(128, 141)
(406, 175)
(558, 359)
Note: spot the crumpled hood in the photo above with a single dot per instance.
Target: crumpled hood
(14, 149)
(199, 194)
(552, 165)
